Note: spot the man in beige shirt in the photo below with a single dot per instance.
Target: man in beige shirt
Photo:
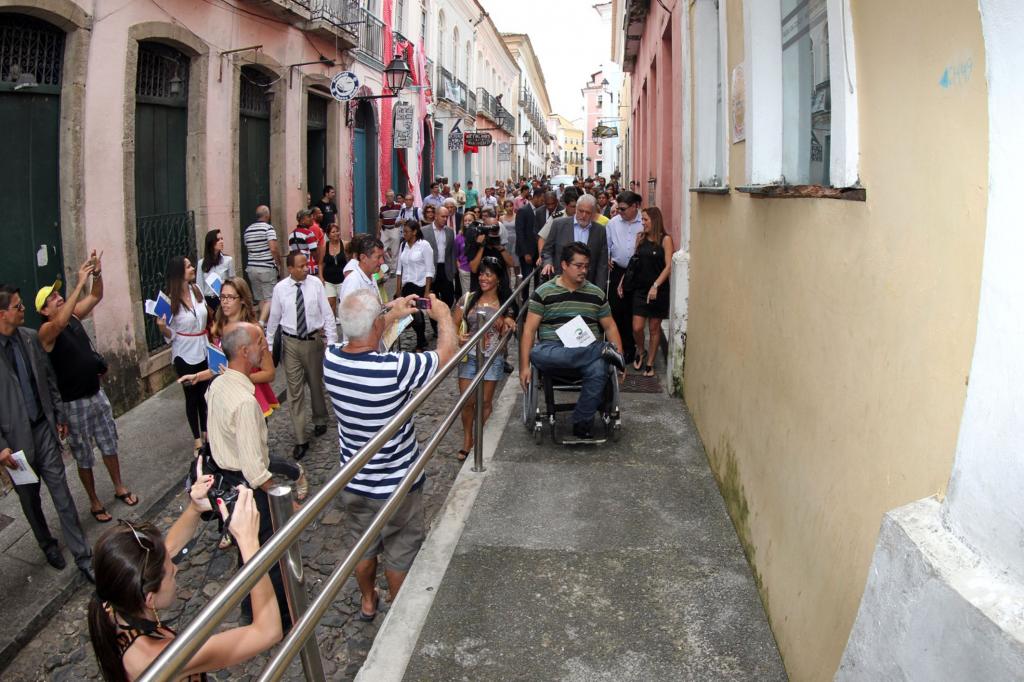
(238, 434)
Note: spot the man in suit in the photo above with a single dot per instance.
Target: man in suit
(546, 210)
(442, 240)
(526, 234)
(578, 228)
(31, 416)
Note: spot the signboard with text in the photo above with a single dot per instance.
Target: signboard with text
(479, 139)
(402, 134)
(455, 138)
(504, 151)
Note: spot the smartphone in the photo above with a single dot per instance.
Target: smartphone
(423, 304)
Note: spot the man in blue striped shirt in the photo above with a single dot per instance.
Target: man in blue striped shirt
(367, 390)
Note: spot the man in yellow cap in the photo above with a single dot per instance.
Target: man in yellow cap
(78, 368)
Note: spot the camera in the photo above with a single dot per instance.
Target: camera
(422, 304)
(493, 233)
(224, 489)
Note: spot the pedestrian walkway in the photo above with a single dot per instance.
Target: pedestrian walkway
(155, 444)
(614, 562)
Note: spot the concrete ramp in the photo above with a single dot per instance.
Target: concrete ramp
(613, 562)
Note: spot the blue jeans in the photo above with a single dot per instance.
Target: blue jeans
(552, 356)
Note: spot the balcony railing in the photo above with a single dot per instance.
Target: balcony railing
(371, 37)
(157, 238)
(335, 19)
(445, 85)
(470, 103)
(487, 105)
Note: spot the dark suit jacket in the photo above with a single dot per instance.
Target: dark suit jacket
(15, 430)
(449, 249)
(561, 235)
(526, 232)
(541, 217)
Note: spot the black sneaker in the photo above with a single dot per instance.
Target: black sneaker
(581, 430)
(54, 557)
(612, 356)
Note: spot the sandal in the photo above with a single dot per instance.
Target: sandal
(462, 455)
(124, 497)
(97, 513)
(638, 361)
(225, 541)
(301, 485)
(649, 370)
(368, 617)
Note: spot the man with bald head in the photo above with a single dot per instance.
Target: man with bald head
(264, 259)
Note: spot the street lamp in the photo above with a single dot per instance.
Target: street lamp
(396, 78)
(526, 138)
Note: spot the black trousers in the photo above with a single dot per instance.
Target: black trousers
(266, 530)
(443, 288)
(418, 325)
(195, 396)
(622, 311)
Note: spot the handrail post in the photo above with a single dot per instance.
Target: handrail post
(280, 497)
(478, 422)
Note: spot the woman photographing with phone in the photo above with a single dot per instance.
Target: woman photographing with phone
(135, 580)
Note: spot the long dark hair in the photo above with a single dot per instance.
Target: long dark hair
(657, 224)
(498, 269)
(210, 255)
(125, 573)
(175, 280)
(220, 319)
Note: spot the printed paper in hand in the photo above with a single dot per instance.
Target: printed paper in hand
(392, 333)
(161, 307)
(214, 281)
(215, 359)
(23, 475)
(575, 333)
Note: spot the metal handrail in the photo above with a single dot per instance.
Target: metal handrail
(181, 649)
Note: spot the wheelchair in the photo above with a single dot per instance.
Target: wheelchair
(539, 414)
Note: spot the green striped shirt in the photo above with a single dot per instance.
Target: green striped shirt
(556, 305)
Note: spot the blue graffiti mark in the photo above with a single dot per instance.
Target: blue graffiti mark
(957, 74)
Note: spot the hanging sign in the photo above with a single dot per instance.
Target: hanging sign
(402, 134)
(344, 86)
(504, 151)
(455, 138)
(479, 139)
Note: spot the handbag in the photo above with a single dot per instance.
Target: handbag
(632, 270)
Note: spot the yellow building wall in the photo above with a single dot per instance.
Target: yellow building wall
(829, 341)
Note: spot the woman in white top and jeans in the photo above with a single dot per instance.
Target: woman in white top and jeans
(415, 273)
(188, 338)
(214, 259)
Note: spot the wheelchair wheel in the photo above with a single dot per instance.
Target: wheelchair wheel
(530, 405)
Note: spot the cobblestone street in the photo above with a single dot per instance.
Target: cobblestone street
(62, 651)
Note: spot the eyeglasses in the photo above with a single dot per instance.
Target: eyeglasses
(145, 562)
(16, 306)
(579, 266)
(229, 297)
(623, 208)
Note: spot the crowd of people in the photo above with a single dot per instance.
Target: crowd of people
(326, 307)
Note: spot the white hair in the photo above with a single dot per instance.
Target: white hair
(357, 313)
(586, 200)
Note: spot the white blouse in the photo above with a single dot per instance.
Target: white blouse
(188, 339)
(224, 270)
(416, 263)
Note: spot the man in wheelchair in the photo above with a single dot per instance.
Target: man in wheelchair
(557, 303)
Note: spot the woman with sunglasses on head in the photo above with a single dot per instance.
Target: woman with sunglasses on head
(461, 262)
(186, 333)
(492, 290)
(236, 305)
(135, 580)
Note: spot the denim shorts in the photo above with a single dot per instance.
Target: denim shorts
(467, 370)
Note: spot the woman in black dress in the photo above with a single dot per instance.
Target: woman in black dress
(650, 287)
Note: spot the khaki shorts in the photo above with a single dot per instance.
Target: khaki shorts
(262, 281)
(402, 536)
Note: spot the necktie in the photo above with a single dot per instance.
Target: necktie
(300, 312)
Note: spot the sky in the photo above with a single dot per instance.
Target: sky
(570, 41)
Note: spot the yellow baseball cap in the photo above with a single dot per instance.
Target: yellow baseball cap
(45, 292)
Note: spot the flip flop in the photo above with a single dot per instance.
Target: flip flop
(368, 617)
(462, 455)
(124, 498)
(97, 513)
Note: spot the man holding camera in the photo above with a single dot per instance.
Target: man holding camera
(238, 434)
(483, 240)
(353, 372)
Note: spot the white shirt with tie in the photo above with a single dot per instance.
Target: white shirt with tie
(283, 311)
(441, 237)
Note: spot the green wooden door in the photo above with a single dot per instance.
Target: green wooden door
(31, 57)
(316, 147)
(161, 138)
(32, 255)
(253, 166)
